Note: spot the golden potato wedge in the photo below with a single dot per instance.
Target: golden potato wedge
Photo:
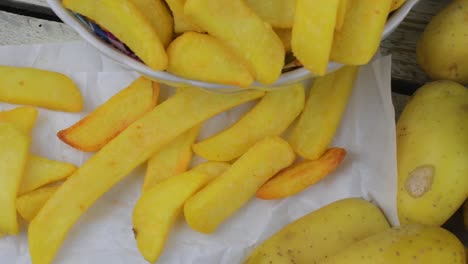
(222, 197)
(132, 147)
(41, 88)
(29, 204)
(203, 57)
(322, 113)
(285, 34)
(40, 171)
(160, 17)
(109, 119)
(354, 46)
(181, 22)
(270, 117)
(298, 177)
(128, 24)
(239, 28)
(173, 159)
(343, 8)
(212, 168)
(396, 4)
(312, 33)
(22, 117)
(278, 13)
(13, 156)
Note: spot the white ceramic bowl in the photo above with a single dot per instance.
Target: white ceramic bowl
(118, 56)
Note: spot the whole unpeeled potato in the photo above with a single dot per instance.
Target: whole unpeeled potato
(442, 50)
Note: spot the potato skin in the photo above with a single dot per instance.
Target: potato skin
(442, 51)
(432, 154)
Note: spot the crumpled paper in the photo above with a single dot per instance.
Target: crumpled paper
(104, 233)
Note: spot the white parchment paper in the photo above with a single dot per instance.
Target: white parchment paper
(104, 233)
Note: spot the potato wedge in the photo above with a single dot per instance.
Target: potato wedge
(113, 162)
(343, 8)
(128, 24)
(181, 22)
(173, 159)
(396, 4)
(109, 119)
(312, 33)
(354, 46)
(298, 177)
(29, 204)
(465, 214)
(270, 117)
(22, 117)
(212, 168)
(40, 171)
(322, 113)
(160, 17)
(203, 57)
(13, 156)
(41, 88)
(239, 28)
(285, 34)
(222, 197)
(278, 13)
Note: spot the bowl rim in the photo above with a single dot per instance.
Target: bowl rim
(287, 78)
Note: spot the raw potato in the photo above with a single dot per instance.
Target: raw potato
(278, 13)
(220, 199)
(285, 34)
(239, 28)
(396, 4)
(41, 88)
(432, 154)
(29, 204)
(407, 244)
(118, 158)
(123, 19)
(322, 113)
(13, 155)
(181, 22)
(312, 33)
(300, 176)
(203, 57)
(442, 50)
(159, 16)
(354, 46)
(270, 117)
(321, 233)
(22, 117)
(109, 119)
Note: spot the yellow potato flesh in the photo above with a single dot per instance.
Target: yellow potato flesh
(321, 233)
(360, 35)
(285, 34)
(203, 57)
(270, 117)
(41, 88)
(181, 22)
(396, 4)
(13, 155)
(22, 117)
(212, 168)
(312, 33)
(118, 158)
(123, 19)
(29, 204)
(173, 159)
(239, 28)
(343, 8)
(407, 244)
(322, 113)
(159, 16)
(278, 13)
(109, 119)
(432, 154)
(225, 195)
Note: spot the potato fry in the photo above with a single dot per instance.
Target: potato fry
(203, 57)
(396, 4)
(343, 8)
(312, 33)
(108, 120)
(128, 24)
(181, 22)
(13, 156)
(212, 168)
(270, 117)
(322, 113)
(41, 88)
(173, 159)
(354, 46)
(222, 197)
(285, 34)
(29, 204)
(40, 171)
(239, 28)
(22, 117)
(298, 177)
(278, 13)
(118, 158)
